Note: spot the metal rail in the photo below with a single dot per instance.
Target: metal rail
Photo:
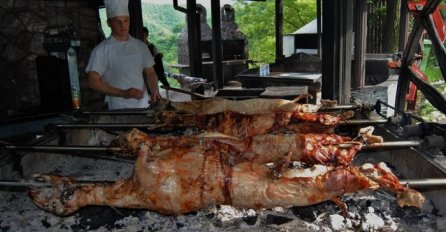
(39, 184)
(145, 111)
(79, 149)
(363, 122)
(155, 126)
(63, 148)
(106, 125)
(55, 148)
(420, 183)
(390, 145)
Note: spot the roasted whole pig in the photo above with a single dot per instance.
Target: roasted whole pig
(326, 149)
(189, 179)
(218, 105)
(245, 125)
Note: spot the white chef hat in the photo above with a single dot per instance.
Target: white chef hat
(116, 8)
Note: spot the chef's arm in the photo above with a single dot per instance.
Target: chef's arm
(151, 80)
(95, 82)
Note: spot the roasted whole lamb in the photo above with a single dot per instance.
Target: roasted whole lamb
(176, 181)
(218, 105)
(246, 125)
(326, 149)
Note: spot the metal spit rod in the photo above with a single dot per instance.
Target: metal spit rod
(424, 182)
(144, 112)
(107, 125)
(39, 184)
(63, 148)
(390, 145)
(420, 183)
(363, 121)
(55, 148)
(148, 125)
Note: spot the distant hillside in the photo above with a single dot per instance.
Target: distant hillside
(165, 25)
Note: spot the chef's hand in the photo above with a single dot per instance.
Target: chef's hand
(154, 96)
(133, 93)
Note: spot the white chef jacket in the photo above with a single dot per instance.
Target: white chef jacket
(121, 64)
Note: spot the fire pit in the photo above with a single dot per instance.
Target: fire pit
(368, 211)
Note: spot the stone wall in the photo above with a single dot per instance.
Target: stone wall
(23, 24)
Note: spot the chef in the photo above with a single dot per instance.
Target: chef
(121, 67)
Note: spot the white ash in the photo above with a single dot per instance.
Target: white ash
(337, 222)
(18, 213)
(372, 222)
(228, 213)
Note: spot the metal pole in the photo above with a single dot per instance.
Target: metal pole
(363, 121)
(217, 53)
(360, 44)
(53, 148)
(279, 29)
(420, 183)
(440, 182)
(390, 145)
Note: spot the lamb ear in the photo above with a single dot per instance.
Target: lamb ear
(341, 205)
(144, 152)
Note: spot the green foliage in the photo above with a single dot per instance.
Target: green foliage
(256, 20)
(432, 71)
(165, 25)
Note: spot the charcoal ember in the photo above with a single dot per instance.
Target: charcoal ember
(381, 206)
(441, 223)
(154, 221)
(307, 213)
(210, 215)
(300, 225)
(429, 207)
(45, 223)
(49, 221)
(313, 212)
(129, 223)
(94, 217)
(250, 220)
(277, 219)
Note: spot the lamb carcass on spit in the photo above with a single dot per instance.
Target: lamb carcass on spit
(245, 125)
(218, 105)
(326, 149)
(189, 179)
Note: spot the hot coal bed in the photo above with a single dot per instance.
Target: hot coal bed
(368, 211)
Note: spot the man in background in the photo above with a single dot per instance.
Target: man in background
(117, 64)
(159, 67)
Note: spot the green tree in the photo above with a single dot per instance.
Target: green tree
(256, 20)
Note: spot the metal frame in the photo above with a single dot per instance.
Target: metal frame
(423, 20)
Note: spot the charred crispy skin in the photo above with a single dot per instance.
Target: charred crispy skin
(187, 179)
(218, 105)
(326, 149)
(245, 125)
